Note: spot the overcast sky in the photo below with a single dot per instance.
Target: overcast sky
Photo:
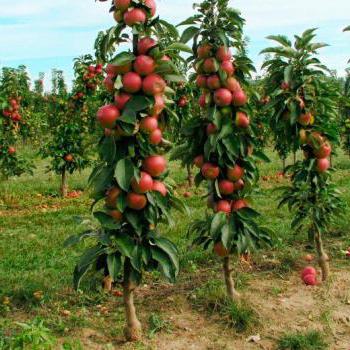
(46, 34)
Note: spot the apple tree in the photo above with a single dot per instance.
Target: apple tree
(305, 110)
(14, 88)
(129, 184)
(69, 119)
(221, 139)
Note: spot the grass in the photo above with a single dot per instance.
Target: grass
(312, 340)
(36, 270)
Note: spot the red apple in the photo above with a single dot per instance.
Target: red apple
(145, 44)
(227, 67)
(213, 82)
(159, 105)
(155, 137)
(153, 84)
(306, 119)
(11, 150)
(155, 165)
(204, 100)
(132, 82)
(220, 250)
(121, 99)
(115, 214)
(324, 151)
(284, 85)
(152, 5)
(210, 65)
(144, 65)
(122, 5)
(149, 124)
(226, 187)
(198, 161)
(242, 120)
(107, 115)
(310, 280)
(143, 185)
(159, 187)
(114, 70)
(239, 204)
(182, 102)
(232, 84)
(239, 98)
(136, 201)
(108, 83)
(309, 270)
(223, 206)
(210, 171)
(135, 16)
(239, 185)
(211, 129)
(322, 165)
(201, 81)
(204, 51)
(69, 158)
(223, 97)
(112, 196)
(235, 173)
(223, 54)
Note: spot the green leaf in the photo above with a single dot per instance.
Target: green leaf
(174, 78)
(217, 223)
(170, 249)
(125, 245)
(124, 173)
(138, 103)
(188, 34)
(178, 47)
(106, 221)
(347, 29)
(164, 262)
(114, 264)
(123, 58)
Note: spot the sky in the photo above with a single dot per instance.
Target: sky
(46, 34)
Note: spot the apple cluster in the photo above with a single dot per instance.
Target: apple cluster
(12, 111)
(90, 79)
(138, 78)
(220, 88)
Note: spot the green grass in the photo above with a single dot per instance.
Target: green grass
(312, 340)
(34, 223)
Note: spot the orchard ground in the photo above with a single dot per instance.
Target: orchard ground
(36, 278)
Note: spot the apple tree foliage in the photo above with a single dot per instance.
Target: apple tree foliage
(222, 138)
(305, 111)
(130, 185)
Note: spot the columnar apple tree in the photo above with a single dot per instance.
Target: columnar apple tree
(129, 183)
(68, 148)
(221, 138)
(305, 109)
(14, 86)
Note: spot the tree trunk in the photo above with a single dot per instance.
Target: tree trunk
(190, 176)
(230, 285)
(322, 257)
(283, 165)
(64, 184)
(133, 329)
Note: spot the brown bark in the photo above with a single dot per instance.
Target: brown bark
(133, 329)
(190, 177)
(323, 260)
(230, 285)
(64, 184)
